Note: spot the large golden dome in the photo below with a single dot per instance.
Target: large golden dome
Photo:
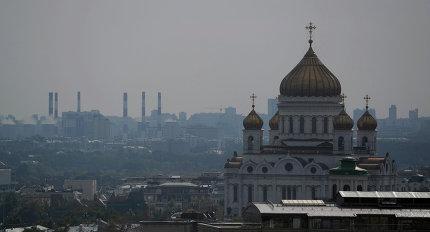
(253, 121)
(343, 121)
(310, 78)
(274, 121)
(367, 122)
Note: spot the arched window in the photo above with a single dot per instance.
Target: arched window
(326, 125)
(264, 193)
(302, 124)
(334, 191)
(359, 188)
(284, 192)
(250, 143)
(364, 141)
(340, 143)
(313, 193)
(249, 193)
(291, 128)
(346, 188)
(314, 125)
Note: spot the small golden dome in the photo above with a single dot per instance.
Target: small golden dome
(367, 122)
(274, 121)
(343, 121)
(253, 121)
(310, 78)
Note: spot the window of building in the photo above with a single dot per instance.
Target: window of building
(313, 170)
(346, 188)
(249, 169)
(250, 194)
(364, 141)
(284, 192)
(359, 188)
(288, 167)
(314, 125)
(291, 129)
(264, 193)
(325, 125)
(294, 196)
(340, 143)
(235, 193)
(313, 193)
(302, 124)
(264, 169)
(250, 143)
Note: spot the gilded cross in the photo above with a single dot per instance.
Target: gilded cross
(253, 97)
(310, 28)
(367, 98)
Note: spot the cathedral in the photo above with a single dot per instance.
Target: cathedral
(312, 151)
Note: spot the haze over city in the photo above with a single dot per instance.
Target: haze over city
(203, 55)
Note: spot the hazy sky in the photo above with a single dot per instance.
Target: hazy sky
(207, 54)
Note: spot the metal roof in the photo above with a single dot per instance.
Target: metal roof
(303, 202)
(335, 211)
(376, 194)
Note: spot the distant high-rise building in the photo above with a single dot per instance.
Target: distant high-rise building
(143, 106)
(182, 116)
(79, 102)
(413, 114)
(124, 105)
(392, 113)
(272, 107)
(159, 112)
(56, 105)
(51, 104)
(230, 111)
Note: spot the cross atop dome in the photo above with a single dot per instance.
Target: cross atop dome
(367, 98)
(310, 28)
(253, 97)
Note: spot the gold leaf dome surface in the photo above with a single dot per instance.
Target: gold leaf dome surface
(310, 78)
(367, 122)
(253, 121)
(274, 121)
(343, 121)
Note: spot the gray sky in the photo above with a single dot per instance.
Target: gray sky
(207, 54)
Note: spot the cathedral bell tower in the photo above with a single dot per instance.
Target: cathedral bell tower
(252, 132)
(366, 134)
(343, 124)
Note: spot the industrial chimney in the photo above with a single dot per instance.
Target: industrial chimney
(124, 105)
(79, 102)
(159, 104)
(56, 105)
(143, 106)
(51, 104)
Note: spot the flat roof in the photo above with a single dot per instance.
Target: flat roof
(377, 194)
(303, 202)
(335, 211)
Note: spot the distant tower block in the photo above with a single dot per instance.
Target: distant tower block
(124, 105)
(159, 103)
(159, 112)
(143, 106)
(56, 105)
(79, 102)
(51, 104)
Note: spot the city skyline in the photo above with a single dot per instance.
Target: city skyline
(232, 51)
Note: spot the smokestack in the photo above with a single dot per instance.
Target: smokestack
(143, 106)
(56, 105)
(79, 102)
(159, 103)
(124, 105)
(51, 104)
